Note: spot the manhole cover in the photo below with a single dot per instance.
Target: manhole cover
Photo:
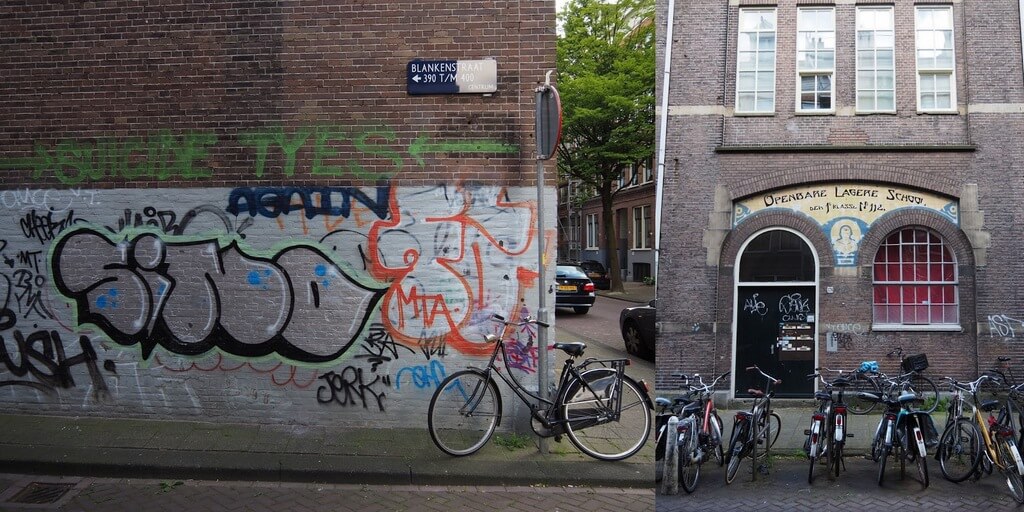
(41, 493)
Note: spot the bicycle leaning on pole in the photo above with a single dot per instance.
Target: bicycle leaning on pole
(698, 434)
(603, 411)
(754, 428)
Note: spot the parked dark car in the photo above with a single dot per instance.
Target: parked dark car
(597, 273)
(573, 288)
(637, 325)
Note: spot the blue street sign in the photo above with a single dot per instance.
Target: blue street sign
(452, 76)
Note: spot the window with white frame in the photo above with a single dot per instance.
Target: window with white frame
(641, 223)
(915, 282)
(876, 67)
(936, 87)
(592, 226)
(815, 59)
(755, 61)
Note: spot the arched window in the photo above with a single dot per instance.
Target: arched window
(915, 282)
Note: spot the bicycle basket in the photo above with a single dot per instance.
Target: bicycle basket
(915, 363)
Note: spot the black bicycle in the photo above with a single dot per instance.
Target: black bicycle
(827, 436)
(698, 434)
(901, 431)
(605, 413)
(752, 431)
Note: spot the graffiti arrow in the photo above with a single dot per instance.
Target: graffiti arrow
(420, 147)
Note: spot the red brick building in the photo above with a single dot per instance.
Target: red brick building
(842, 179)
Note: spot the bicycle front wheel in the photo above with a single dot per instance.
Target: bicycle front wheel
(590, 423)
(926, 389)
(1010, 470)
(737, 444)
(689, 471)
(464, 411)
(959, 450)
(857, 405)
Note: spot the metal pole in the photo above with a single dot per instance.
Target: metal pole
(660, 187)
(542, 281)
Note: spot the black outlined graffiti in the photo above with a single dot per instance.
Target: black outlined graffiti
(272, 202)
(45, 227)
(27, 287)
(350, 388)
(166, 220)
(380, 346)
(434, 347)
(41, 355)
(154, 291)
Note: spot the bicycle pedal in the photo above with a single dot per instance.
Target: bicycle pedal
(558, 439)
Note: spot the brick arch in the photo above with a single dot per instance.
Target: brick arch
(777, 219)
(954, 237)
(845, 172)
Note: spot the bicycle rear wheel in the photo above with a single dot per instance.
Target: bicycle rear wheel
(588, 415)
(716, 438)
(837, 460)
(463, 413)
(854, 403)
(959, 450)
(736, 447)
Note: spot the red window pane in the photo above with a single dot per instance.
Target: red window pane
(920, 294)
(907, 273)
(935, 314)
(951, 314)
(935, 272)
(935, 295)
(892, 253)
(920, 272)
(894, 314)
(880, 295)
(949, 295)
(949, 272)
(881, 314)
(908, 295)
(894, 291)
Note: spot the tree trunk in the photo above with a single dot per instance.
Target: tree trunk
(611, 238)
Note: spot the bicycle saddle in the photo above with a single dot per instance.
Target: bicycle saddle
(989, 405)
(574, 349)
(756, 392)
(662, 402)
(823, 395)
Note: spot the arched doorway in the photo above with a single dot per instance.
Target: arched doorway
(775, 312)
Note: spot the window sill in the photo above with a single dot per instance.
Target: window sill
(641, 249)
(814, 113)
(919, 328)
(753, 114)
(874, 112)
(953, 112)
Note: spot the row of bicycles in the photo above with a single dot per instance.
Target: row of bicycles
(982, 433)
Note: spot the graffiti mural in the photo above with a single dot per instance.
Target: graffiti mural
(311, 301)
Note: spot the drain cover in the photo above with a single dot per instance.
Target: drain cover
(41, 493)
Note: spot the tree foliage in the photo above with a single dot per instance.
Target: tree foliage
(606, 77)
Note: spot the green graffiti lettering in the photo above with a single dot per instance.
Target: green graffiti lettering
(322, 151)
(291, 147)
(364, 144)
(194, 147)
(261, 141)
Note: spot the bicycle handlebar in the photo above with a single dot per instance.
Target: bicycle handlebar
(527, 320)
(769, 377)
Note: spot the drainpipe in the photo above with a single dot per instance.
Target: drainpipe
(663, 128)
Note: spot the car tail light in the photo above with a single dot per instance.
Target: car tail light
(589, 287)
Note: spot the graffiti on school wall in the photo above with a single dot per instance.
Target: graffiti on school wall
(111, 294)
(1004, 326)
(845, 211)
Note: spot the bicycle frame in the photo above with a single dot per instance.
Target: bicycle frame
(570, 373)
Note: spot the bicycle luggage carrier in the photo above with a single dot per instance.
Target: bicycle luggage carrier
(915, 363)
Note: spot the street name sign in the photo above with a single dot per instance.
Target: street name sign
(452, 76)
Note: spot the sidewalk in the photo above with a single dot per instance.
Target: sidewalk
(632, 291)
(194, 450)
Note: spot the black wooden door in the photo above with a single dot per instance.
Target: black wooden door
(764, 315)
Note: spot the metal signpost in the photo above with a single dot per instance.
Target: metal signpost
(548, 130)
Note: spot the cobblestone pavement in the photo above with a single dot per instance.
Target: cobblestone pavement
(786, 488)
(114, 495)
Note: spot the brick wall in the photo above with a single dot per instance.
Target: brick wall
(234, 211)
(715, 157)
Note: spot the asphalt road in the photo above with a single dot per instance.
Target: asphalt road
(599, 329)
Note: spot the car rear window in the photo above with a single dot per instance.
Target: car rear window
(574, 272)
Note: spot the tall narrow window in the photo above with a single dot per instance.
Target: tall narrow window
(915, 282)
(592, 231)
(876, 43)
(641, 223)
(936, 87)
(816, 59)
(755, 61)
